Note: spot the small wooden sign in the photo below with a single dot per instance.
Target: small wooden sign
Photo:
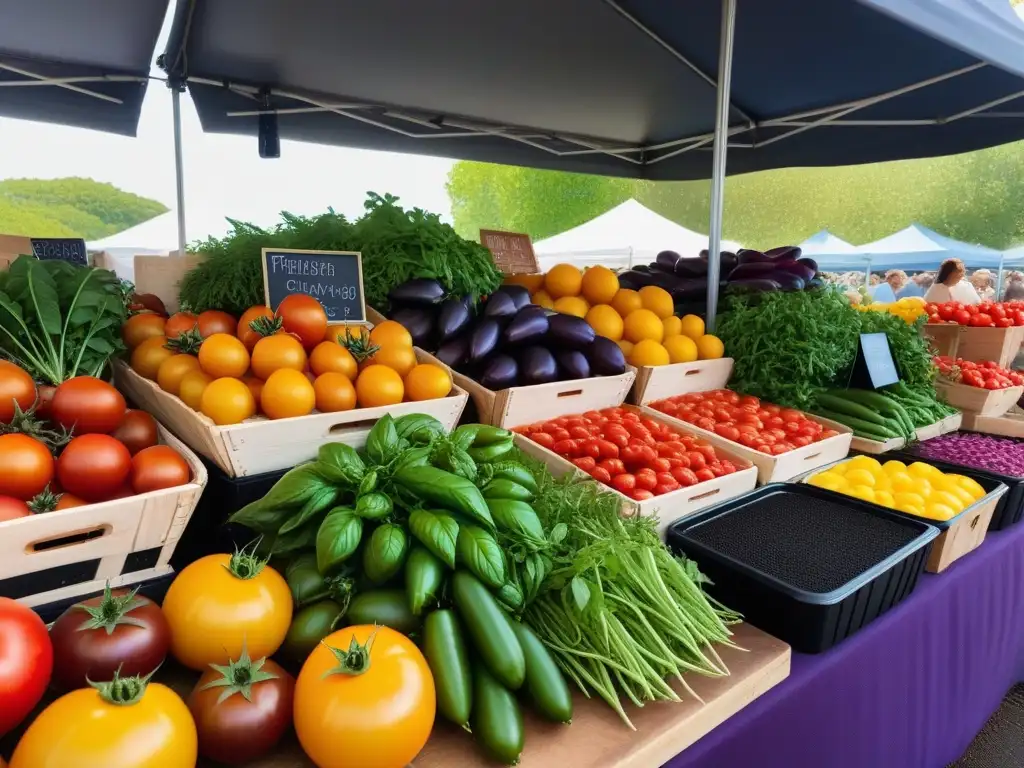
(334, 278)
(60, 249)
(512, 251)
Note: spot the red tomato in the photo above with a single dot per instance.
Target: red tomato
(601, 474)
(16, 386)
(684, 476)
(12, 508)
(304, 317)
(641, 494)
(93, 466)
(961, 317)
(696, 459)
(646, 479)
(158, 467)
(945, 311)
(137, 430)
(660, 465)
(703, 475)
(586, 463)
(728, 431)
(566, 448)
(543, 438)
(26, 662)
(612, 466)
(214, 321)
(87, 405)
(27, 466)
(624, 483)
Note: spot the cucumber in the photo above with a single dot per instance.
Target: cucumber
(445, 649)
(841, 405)
(387, 607)
(497, 720)
(859, 425)
(548, 693)
(490, 630)
(424, 576)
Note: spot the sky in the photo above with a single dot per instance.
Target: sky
(224, 175)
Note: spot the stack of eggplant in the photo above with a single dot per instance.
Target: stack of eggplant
(778, 269)
(503, 341)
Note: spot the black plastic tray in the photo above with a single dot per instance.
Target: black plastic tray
(811, 621)
(1010, 509)
(206, 532)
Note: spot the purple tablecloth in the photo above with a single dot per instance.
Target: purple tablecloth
(909, 691)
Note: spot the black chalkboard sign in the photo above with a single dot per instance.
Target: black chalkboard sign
(60, 249)
(334, 278)
(874, 366)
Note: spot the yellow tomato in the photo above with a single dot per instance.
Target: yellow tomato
(90, 728)
(626, 300)
(893, 467)
(379, 385)
(971, 486)
(923, 488)
(643, 324)
(599, 285)
(334, 392)
(332, 356)
(939, 512)
(864, 462)
(605, 321)
(191, 389)
(858, 476)
(572, 305)
(648, 352)
(173, 370)
(276, 352)
(884, 498)
(147, 358)
(901, 481)
(692, 326)
(909, 500)
(922, 470)
(563, 280)
(948, 499)
(863, 492)
(681, 349)
(286, 394)
(710, 347)
(910, 509)
(398, 357)
(965, 498)
(673, 326)
(882, 482)
(626, 347)
(658, 300)
(542, 299)
(221, 604)
(427, 382)
(829, 481)
(224, 355)
(390, 332)
(227, 401)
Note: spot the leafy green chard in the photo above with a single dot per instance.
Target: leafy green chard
(59, 320)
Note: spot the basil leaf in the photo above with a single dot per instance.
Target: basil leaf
(291, 492)
(369, 482)
(296, 540)
(382, 443)
(373, 506)
(337, 538)
(414, 457)
(511, 596)
(437, 531)
(464, 436)
(320, 501)
(479, 552)
(385, 553)
(419, 428)
(340, 464)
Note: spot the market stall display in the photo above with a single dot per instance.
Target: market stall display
(982, 389)
(987, 331)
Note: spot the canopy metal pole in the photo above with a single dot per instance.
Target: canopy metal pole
(999, 278)
(718, 157)
(179, 168)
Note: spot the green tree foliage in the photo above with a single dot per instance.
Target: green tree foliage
(71, 207)
(973, 197)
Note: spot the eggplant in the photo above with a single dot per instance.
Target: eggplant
(454, 317)
(808, 262)
(606, 357)
(663, 268)
(787, 280)
(418, 321)
(500, 306)
(634, 280)
(691, 268)
(501, 372)
(484, 339)
(566, 331)
(817, 282)
(573, 364)
(751, 270)
(667, 258)
(529, 326)
(643, 269)
(520, 296)
(537, 366)
(420, 292)
(754, 284)
(454, 352)
(748, 256)
(784, 252)
(802, 271)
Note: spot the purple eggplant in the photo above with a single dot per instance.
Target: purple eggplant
(655, 266)
(500, 306)
(454, 352)
(784, 252)
(537, 366)
(573, 364)
(484, 339)
(787, 280)
(751, 270)
(748, 255)
(667, 258)
(808, 262)
(643, 269)
(755, 284)
(519, 294)
(418, 321)
(566, 331)
(529, 326)
(802, 271)
(691, 268)
(420, 292)
(500, 372)
(454, 317)
(606, 357)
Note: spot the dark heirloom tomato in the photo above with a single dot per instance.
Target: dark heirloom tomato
(26, 659)
(137, 430)
(95, 638)
(241, 709)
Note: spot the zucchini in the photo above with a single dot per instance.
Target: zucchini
(841, 405)
(445, 649)
(387, 607)
(545, 685)
(497, 720)
(859, 425)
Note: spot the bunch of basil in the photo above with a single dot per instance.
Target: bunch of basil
(60, 320)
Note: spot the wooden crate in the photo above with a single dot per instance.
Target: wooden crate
(1008, 425)
(669, 507)
(259, 444)
(785, 466)
(658, 382)
(976, 344)
(863, 445)
(83, 548)
(984, 402)
(946, 425)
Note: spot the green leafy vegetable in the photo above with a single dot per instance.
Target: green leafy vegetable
(436, 531)
(288, 495)
(383, 442)
(340, 464)
(385, 552)
(479, 552)
(337, 538)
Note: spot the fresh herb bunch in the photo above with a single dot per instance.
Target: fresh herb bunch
(60, 320)
(790, 345)
(396, 245)
(621, 614)
(910, 349)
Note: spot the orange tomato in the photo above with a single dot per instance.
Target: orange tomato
(427, 382)
(379, 385)
(173, 370)
(287, 393)
(248, 336)
(227, 401)
(16, 386)
(331, 356)
(138, 328)
(276, 352)
(224, 355)
(256, 387)
(149, 355)
(400, 358)
(191, 388)
(179, 323)
(69, 501)
(390, 332)
(334, 392)
(340, 332)
(214, 321)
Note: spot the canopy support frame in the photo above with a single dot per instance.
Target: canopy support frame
(34, 79)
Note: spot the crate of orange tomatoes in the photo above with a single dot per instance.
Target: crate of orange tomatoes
(781, 442)
(264, 391)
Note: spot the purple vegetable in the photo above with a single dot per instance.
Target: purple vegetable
(529, 326)
(454, 317)
(418, 321)
(667, 258)
(500, 305)
(501, 372)
(484, 339)
(537, 366)
(454, 352)
(691, 268)
(606, 357)
(573, 364)
(787, 280)
(1003, 455)
(752, 270)
(802, 271)
(569, 332)
(754, 284)
(748, 255)
(420, 291)
(808, 262)
(520, 296)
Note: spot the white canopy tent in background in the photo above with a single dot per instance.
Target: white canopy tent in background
(824, 242)
(626, 235)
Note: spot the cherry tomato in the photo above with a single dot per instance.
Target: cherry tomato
(703, 475)
(586, 463)
(304, 317)
(624, 483)
(641, 494)
(612, 466)
(137, 430)
(601, 474)
(646, 479)
(158, 467)
(567, 448)
(543, 438)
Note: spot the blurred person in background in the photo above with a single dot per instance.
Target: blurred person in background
(950, 285)
(896, 278)
(1014, 290)
(876, 280)
(918, 285)
(982, 282)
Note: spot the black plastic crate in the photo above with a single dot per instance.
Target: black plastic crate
(207, 532)
(1010, 509)
(804, 564)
